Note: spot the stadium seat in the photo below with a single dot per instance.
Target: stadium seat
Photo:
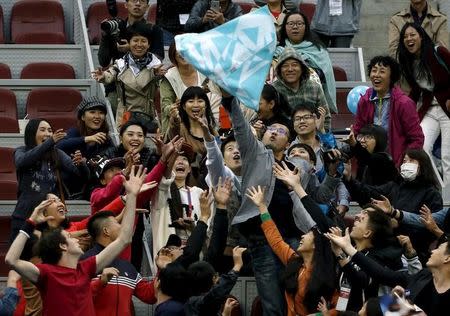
(151, 17)
(7, 167)
(64, 122)
(344, 118)
(246, 6)
(52, 102)
(5, 231)
(9, 190)
(47, 71)
(5, 72)
(339, 73)
(2, 35)
(37, 22)
(9, 125)
(98, 12)
(8, 104)
(308, 9)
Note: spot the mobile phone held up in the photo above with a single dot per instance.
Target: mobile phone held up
(215, 5)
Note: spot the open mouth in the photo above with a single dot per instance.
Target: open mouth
(237, 157)
(62, 210)
(196, 112)
(180, 169)
(135, 144)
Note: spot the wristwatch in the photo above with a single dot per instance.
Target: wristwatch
(342, 256)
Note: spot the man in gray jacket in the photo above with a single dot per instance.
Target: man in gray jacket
(336, 24)
(205, 17)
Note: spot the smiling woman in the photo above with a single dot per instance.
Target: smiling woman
(38, 164)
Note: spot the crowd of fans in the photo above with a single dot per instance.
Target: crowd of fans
(267, 198)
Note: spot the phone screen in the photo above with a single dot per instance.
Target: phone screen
(215, 5)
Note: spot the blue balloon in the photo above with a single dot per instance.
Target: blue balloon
(353, 97)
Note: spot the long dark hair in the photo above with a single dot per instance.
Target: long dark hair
(406, 59)
(426, 173)
(323, 278)
(192, 93)
(308, 35)
(31, 129)
(82, 128)
(281, 107)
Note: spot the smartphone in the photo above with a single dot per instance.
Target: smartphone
(215, 5)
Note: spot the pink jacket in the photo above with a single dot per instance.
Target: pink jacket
(404, 123)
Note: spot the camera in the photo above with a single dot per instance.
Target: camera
(111, 27)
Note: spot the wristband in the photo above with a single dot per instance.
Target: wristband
(29, 220)
(393, 213)
(28, 227)
(265, 217)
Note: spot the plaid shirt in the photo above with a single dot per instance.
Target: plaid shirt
(309, 91)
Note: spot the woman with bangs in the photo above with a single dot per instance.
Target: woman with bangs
(186, 120)
(177, 80)
(426, 69)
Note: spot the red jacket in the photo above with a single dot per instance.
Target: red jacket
(100, 197)
(441, 78)
(404, 124)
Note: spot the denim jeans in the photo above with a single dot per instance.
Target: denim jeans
(267, 269)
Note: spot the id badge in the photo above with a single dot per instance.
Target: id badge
(183, 18)
(335, 7)
(344, 294)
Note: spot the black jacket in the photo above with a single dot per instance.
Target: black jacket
(374, 169)
(108, 53)
(421, 286)
(168, 14)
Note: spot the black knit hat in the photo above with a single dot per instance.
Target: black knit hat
(90, 103)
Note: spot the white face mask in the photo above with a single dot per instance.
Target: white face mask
(408, 171)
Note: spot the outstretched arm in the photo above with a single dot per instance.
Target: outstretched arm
(132, 186)
(26, 268)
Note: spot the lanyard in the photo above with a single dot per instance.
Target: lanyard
(190, 207)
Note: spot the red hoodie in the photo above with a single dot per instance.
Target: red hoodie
(100, 197)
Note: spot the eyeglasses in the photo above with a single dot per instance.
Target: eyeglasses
(303, 118)
(295, 23)
(364, 137)
(279, 130)
(138, 1)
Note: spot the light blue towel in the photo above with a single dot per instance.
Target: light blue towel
(236, 55)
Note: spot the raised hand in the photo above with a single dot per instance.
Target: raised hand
(343, 242)
(123, 46)
(148, 186)
(159, 70)
(135, 181)
(320, 122)
(230, 303)
(428, 221)
(283, 173)
(77, 158)
(256, 194)
(158, 139)
(108, 273)
(334, 247)
(237, 258)
(407, 245)
(323, 307)
(205, 205)
(259, 127)
(168, 149)
(351, 139)
(38, 213)
(98, 75)
(222, 193)
(384, 204)
(174, 114)
(98, 138)
(58, 135)
(347, 173)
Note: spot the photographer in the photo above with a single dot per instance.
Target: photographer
(114, 45)
(208, 14)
